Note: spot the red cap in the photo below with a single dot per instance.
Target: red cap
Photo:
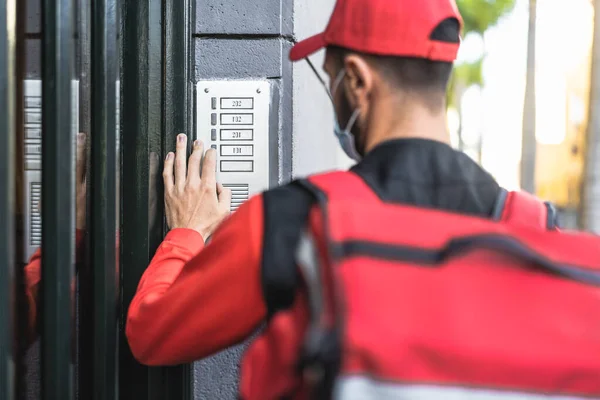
(386, 27)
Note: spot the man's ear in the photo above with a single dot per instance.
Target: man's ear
(359, 81)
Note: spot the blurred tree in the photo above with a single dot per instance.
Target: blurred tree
(529, 143)
(590, 219)
(478, 16)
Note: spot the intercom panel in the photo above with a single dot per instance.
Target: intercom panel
(233, 119)
(33, 160)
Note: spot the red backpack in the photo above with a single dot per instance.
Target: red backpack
(400, 302)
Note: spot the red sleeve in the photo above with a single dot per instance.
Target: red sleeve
(194, 300)
(33, 279)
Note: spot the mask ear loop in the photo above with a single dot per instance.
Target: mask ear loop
(337, 82)
(311, 65)
(352, 120)
(347, 139)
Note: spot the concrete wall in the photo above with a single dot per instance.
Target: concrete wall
(315, 146)
(245, 40)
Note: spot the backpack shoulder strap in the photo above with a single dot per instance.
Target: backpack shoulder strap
(522, 208)
(332, 191)
(340, 185)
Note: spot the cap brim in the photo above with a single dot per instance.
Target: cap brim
(307, 47)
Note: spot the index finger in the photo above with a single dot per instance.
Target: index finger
(209, 169)
(194, 163)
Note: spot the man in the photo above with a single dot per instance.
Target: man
(378, 282)
(388, 74)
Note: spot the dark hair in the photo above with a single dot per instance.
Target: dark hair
(424, 78)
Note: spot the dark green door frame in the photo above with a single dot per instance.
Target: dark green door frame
(155, 103)
(104, 70)
(58, 236)
(178, 94)
(8, 285)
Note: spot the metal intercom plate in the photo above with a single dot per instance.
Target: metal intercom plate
(33, 160)
(233, 118)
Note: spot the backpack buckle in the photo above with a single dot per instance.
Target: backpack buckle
(319, 361)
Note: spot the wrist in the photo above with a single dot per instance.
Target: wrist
(186, 226)
(189, 233)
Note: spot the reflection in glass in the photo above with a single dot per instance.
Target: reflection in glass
(30, 219)
(86, 81)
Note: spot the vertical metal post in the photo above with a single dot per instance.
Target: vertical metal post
(590, 200)
(177, 60)
(85, 292)
(103, 191)
(156, 93)
(58, 166)
(22, 305)
(7, 200)
(142, 108)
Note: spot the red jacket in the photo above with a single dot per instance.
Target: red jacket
(33, 280)
(194, 300)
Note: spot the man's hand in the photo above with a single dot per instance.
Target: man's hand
(192, 200)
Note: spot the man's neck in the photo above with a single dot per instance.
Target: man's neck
(416, 122)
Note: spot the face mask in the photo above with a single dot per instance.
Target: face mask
(345, 136)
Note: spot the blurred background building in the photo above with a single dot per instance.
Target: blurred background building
(492, 110)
